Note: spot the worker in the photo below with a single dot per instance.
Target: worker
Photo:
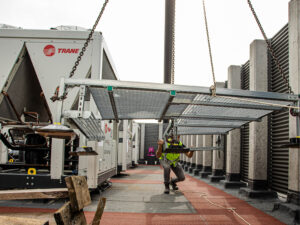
(170, 161)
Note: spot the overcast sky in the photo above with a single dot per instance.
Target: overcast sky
(134, 32)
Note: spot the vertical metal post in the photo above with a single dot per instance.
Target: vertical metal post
(298, 121)
(82, 91)
(160, 130)
(3, 153)
(116, 146)
(142, 150)
(58, 145)
(169, 41)
(125, 145)
(59, 104)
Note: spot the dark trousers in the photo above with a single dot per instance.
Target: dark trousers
(167, 172)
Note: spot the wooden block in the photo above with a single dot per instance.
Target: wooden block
(65, 216)
(52, 193)
(79, 193)
(99, 211)
(8, 220)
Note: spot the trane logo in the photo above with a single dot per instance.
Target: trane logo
(49, 50)
(68, 50)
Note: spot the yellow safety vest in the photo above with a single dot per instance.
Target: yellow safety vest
(172, 158)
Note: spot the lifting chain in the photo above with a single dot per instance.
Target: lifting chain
(213, 88)
(271, 50)
(87, 41)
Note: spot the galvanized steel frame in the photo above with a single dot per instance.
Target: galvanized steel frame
(179, 89)
(112, 85)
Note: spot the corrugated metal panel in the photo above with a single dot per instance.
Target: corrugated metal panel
(279, 121)
(245, 73)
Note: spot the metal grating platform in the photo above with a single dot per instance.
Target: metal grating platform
(87, 124)
(196, 111)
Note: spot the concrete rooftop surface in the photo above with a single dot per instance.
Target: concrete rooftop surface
(137, 197)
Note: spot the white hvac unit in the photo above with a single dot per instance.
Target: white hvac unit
(120, 152)
(32, 63)
(129, 155)
(136, 143)
(125, 143)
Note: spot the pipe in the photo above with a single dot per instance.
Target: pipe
(12, 105)
(7, 144)
(33, 115)
(9, 123)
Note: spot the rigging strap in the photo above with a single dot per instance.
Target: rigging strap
(214, 86)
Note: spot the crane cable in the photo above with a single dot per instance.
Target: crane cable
(271, 50)
(87, 41)
(275, 58)
(213, 88)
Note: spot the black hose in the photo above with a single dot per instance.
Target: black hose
(7, 144)
(20, 148)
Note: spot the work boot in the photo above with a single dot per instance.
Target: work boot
(174, 185)
(167, 189)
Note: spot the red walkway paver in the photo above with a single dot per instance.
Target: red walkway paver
(195, 192)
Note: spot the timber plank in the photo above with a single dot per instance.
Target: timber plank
(52, 193)
(8, 220)
(79, 193)
(65, 216)
(99, 211)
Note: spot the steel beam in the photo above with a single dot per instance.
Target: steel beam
(230, 105)
(216, 118)
(166, 108)
(113, 105)
(211, 126)
(221, 148)
(203, 133)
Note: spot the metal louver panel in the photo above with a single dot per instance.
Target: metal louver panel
(279, 121)
(245, 72)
